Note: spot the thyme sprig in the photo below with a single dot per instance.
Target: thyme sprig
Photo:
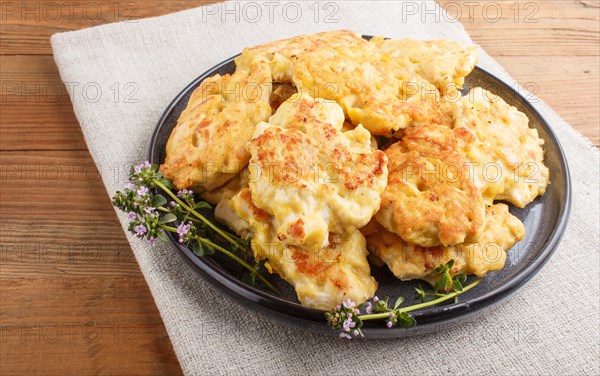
(150, 215)
(347, 319)
(445, 283)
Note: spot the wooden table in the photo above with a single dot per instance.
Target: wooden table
(73, 300)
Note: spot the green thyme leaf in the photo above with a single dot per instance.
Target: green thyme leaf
(399, 301)
(166, 183)
(420, 293)
(443, 283)
(461, 278)
(158, 201)
(203, 205)
(161, 235)
(209, 249)
(198, 249)
(167, 218)
(406, 321)
(457, 285)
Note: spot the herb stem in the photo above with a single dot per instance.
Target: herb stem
(239, 260)
(235, 237)
(191, 210)
(229, 254)
(384, 315)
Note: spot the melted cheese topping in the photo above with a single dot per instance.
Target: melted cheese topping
(382, 96)
(429, 200)
(282, 53)
(507, 156)
(444, 63)
(207, 147)
(409, 261)
(322, 277)
(315, 174)
(314, 178)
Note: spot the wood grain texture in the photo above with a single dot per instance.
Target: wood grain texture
(73, 298)
(73, 301)
(550, 47)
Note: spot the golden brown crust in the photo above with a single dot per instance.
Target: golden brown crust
(315, 175)
(208, 145)
(444, 63)
(383, 96)
(507, 155)
(409, 261)
(429, 199)
(282, 53)
(323, 277)
(315, 178)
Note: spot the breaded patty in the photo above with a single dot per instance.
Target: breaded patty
(409, 261)
(382, 96)
(429, 200)
(208, 145)
(507, 155)
(444, 63)
(230, 189)
(280, 54)
(315, 179)
(322, 277)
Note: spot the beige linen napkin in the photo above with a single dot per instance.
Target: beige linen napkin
(548, 327)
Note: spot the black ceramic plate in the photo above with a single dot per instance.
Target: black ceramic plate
(545, 220)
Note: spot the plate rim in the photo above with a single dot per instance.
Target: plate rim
(433, 315)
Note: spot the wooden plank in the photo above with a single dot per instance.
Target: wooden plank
(26, 26)
(36, 108)
(73, 298)
(43, 129)
(570, 85)
(82, 326)
(74, 230)
(530, 28)
(505, 27)
(66, 267)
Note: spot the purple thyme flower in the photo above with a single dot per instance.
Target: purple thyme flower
(140, 230)
(368, 307)
(183, 230)
(349, 304)
(143, 190)
(138, 169)
(130, 186)
(375, 299)
(348, 324)
(345, 335)
(389, 324)
(356, 311)
(392, 315)
(152, 240)
(132, 216)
